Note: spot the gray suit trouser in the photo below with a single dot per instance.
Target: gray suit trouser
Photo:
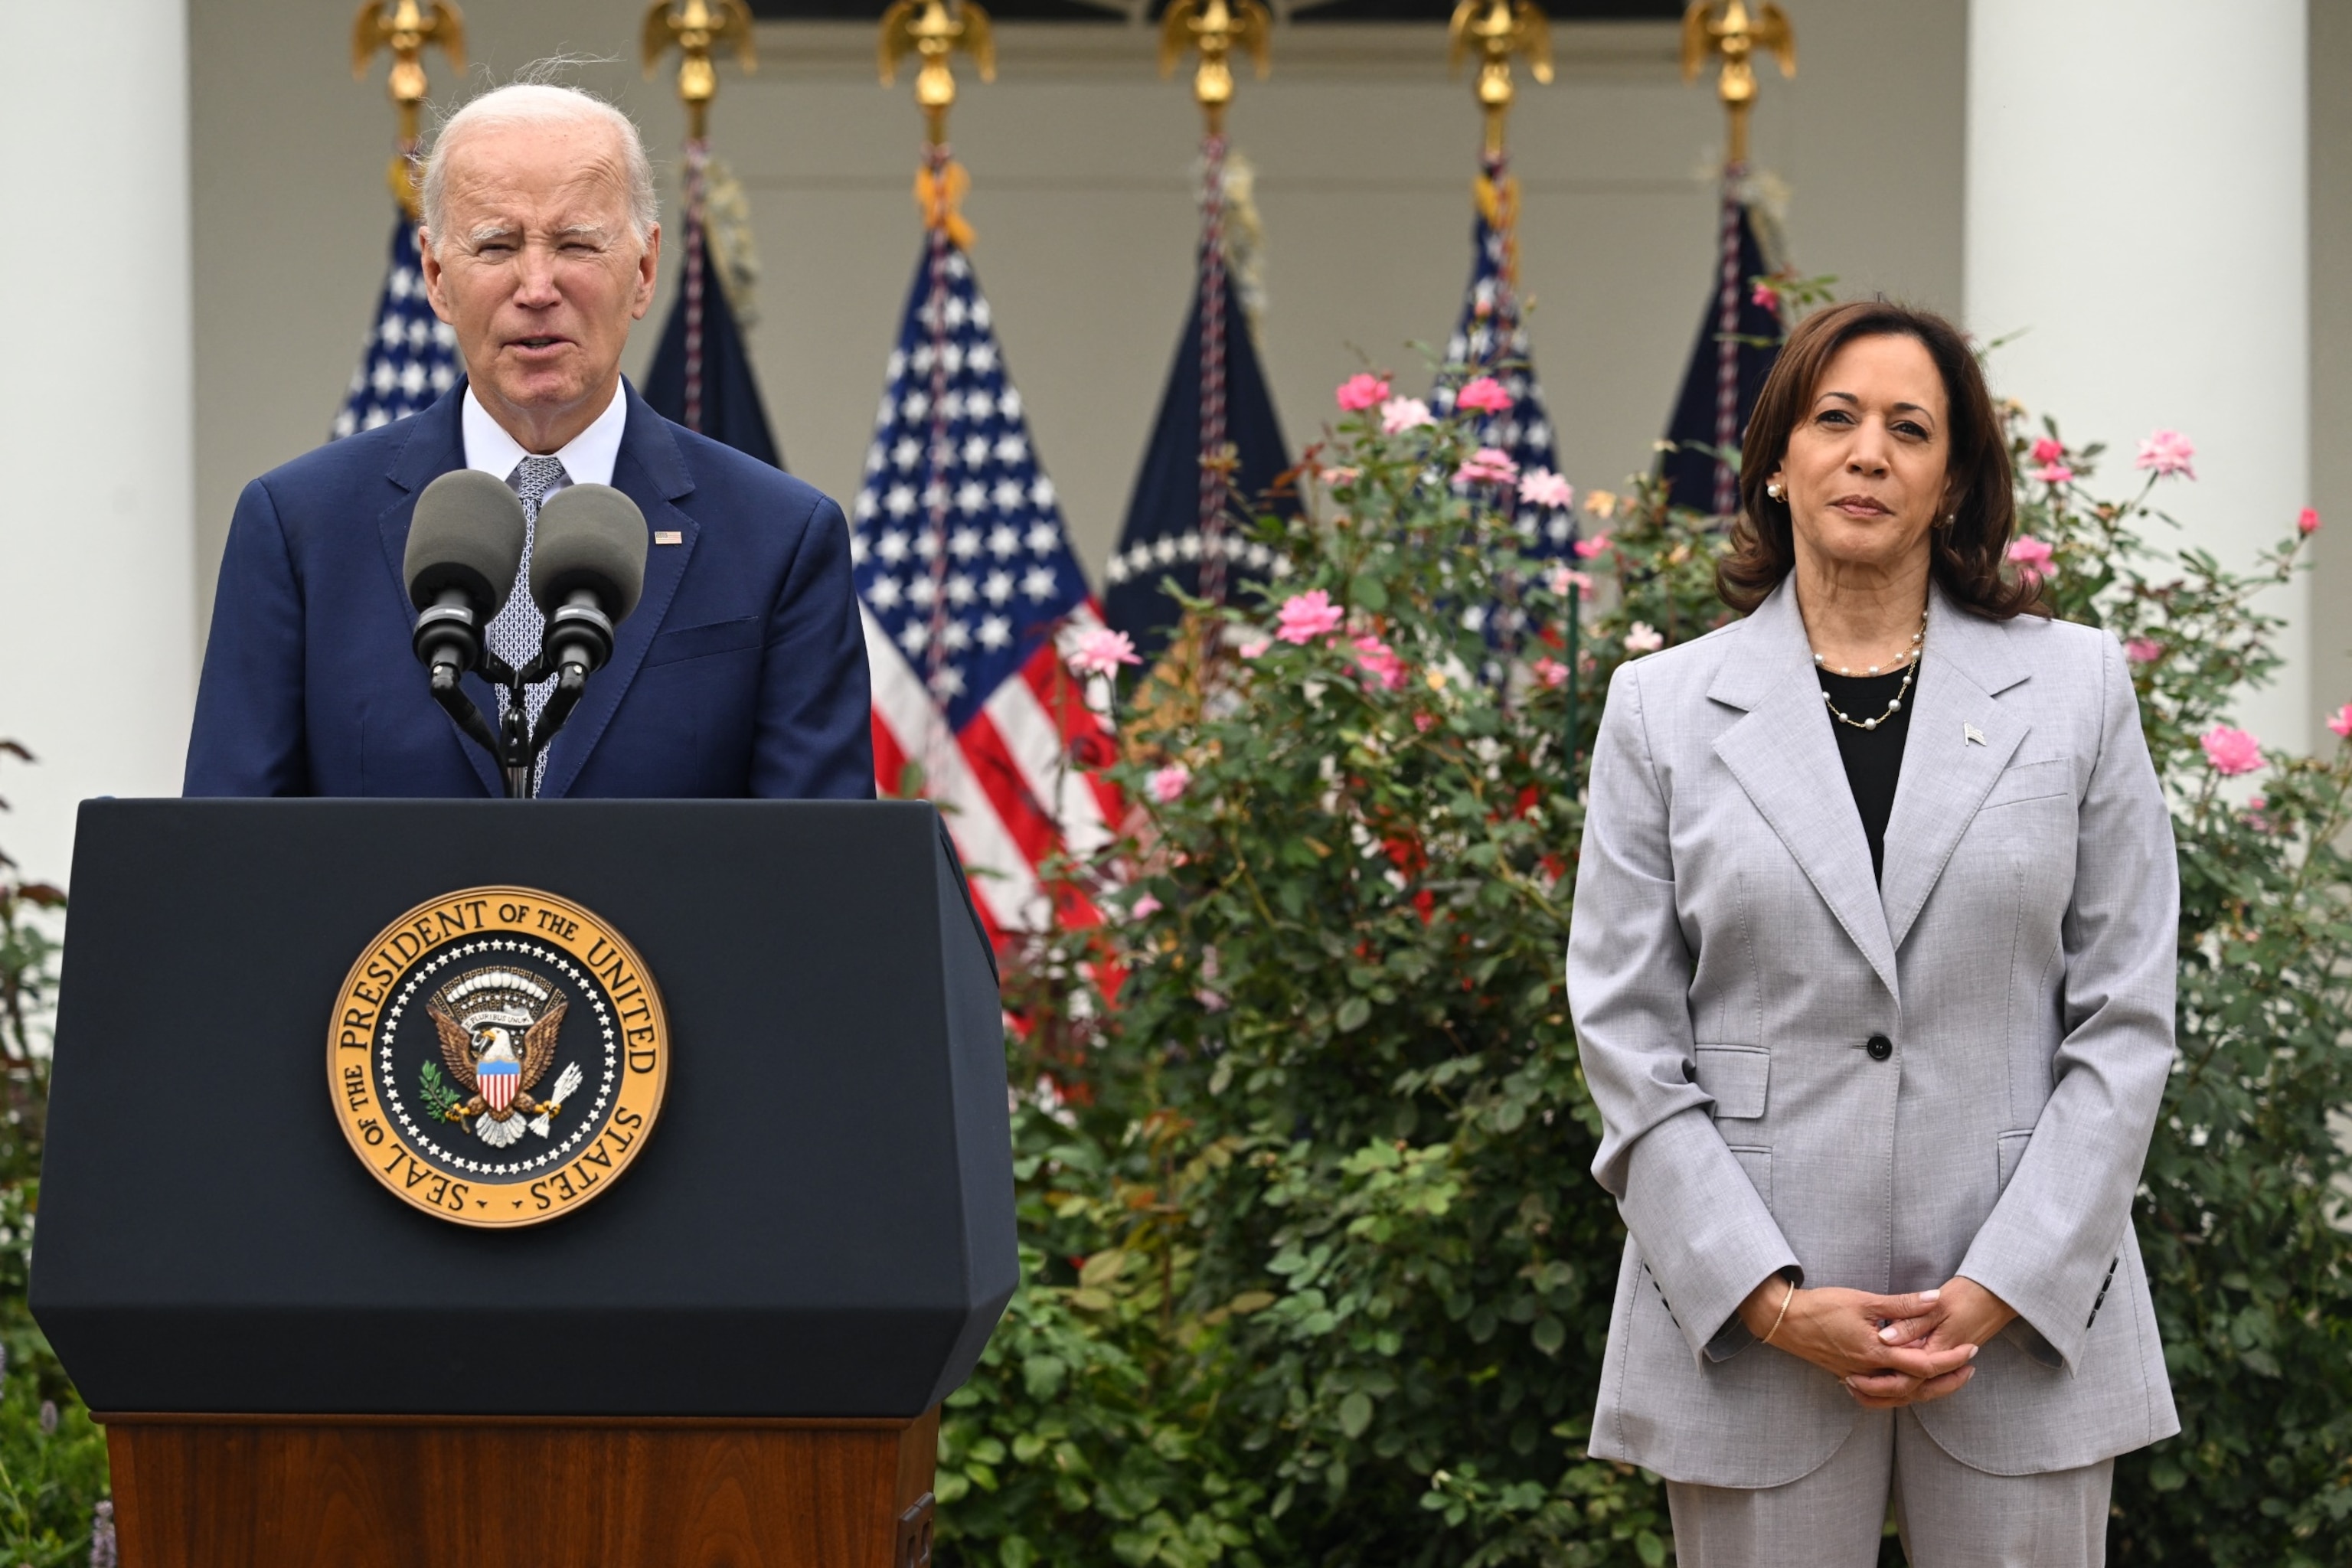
(1951, 1516)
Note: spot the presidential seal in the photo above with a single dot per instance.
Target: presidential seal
(497, 1057)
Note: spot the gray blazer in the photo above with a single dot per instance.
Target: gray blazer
(1878, 1087)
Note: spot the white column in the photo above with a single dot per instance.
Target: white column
(97, 587)
(2138, 208)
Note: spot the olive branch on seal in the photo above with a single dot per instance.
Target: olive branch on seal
(440, 1099)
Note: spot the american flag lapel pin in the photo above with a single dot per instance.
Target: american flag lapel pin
(670, 536)
(1969, 735)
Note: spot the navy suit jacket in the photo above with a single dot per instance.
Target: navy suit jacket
(742, 671)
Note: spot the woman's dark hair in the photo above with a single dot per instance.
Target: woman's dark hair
(1967, 554)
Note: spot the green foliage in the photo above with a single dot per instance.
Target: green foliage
(440, 1099)
(52, 1458)
(1316, 1271)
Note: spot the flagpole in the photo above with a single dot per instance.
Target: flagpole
(694, 27)
(930, 30)
(1214, 29)
(1728, 30)
(407, 28)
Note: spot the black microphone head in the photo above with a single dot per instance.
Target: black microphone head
(592, 537)
(467, 533)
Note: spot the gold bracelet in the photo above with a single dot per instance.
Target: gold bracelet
(1785, 1299)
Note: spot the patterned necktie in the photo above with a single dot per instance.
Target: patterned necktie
(516, 631)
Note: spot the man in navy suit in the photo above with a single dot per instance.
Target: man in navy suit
(742, 671)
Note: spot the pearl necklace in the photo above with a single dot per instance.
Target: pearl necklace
(1909, 659)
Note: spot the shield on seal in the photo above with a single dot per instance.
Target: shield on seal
(500, 1080)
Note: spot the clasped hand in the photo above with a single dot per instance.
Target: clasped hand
(1888, 1350)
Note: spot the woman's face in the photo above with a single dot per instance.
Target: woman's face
(1865, 472)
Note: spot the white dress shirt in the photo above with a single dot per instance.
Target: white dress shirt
(588, 458)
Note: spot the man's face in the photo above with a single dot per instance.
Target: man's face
(540, 273)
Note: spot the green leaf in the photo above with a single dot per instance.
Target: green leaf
(1353, 1013)
(1355, 1414)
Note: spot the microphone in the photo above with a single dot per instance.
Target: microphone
(587, 570)
(465, 546)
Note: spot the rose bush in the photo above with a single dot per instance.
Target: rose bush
(1317, 1273)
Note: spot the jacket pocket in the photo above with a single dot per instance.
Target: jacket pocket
(1757, 1163)
(1735, 1076)
(700, 642)
(2031, 781)
(2012, 1150)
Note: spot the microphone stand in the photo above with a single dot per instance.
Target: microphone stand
(516, 744)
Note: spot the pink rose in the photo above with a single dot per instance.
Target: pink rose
(1551, 672)
(1256, 647)
(2049, 450)
(1643, 638)
(2054, 474)
(2032, 557)
(1399, 415)
(1586, 549)
(1306, 616)
(1541, 487)
(1482, 395)
(1100, 651)
(1145, 907)
(1335, 478)
(1562, 580)
(2143, 651)
(2232, 752)
(1380, 662)
(2166, 452)
(2342, 722)
(1423, 722)
(2306, 522)
(1765, 297)
(1361, 391)
(1486, 465)
(1168, 784)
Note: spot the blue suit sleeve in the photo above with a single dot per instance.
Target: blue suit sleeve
(248, 738)
(815, 736)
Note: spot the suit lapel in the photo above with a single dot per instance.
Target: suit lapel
(436, 445)
(1961, 739)
(652, 472)
(1786, 759)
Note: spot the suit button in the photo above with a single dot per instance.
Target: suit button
(1880, 1048)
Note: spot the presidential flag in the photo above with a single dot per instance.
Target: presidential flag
(968, 592)
(1739, 339)
(1491, 339)
(410, 357)
(701, 373)
(1217, 451)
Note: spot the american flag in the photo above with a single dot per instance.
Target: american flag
(410, 357)
(969, 588)
(1492, 338)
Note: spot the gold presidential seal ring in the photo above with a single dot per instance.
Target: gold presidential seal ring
(497, 1057)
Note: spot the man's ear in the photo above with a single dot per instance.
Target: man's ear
(430, 264)
(648, 270)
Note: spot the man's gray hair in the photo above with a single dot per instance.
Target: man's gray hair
(529, 101)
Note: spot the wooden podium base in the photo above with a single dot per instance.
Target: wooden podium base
(343, 1491)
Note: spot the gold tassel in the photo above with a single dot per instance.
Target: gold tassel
(939, 198)
(1499, 205)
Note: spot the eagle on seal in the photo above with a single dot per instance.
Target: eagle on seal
(493, 1040)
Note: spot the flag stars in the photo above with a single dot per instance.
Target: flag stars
(1043, 538)
(964, 543)
(995, 631)
(999, 586)
(1039, 582)
(906, 453)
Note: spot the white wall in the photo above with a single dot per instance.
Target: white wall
(96, 634)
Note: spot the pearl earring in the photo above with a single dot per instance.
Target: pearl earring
(1772, 489)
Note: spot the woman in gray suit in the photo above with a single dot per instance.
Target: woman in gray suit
(1872, 967)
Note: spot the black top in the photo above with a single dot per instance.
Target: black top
(1873, 758)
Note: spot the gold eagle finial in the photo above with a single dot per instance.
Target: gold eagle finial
(1497, 29)
(695, 27)
(933, 30)
(407, 28)
(1726, 27)
(1216, 28)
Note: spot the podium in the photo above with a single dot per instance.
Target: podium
(725, 1342)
